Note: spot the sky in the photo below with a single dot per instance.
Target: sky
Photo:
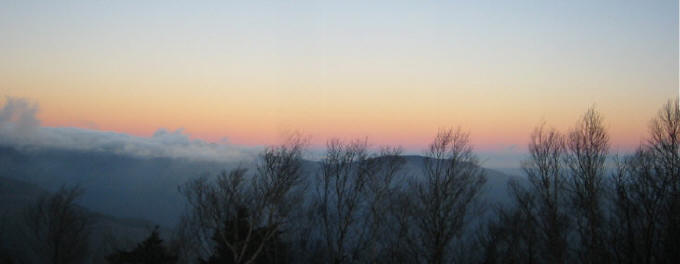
(248, 72)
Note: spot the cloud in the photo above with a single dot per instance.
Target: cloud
(18, 117)
(20, 127)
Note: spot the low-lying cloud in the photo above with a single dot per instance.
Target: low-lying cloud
(19, 126)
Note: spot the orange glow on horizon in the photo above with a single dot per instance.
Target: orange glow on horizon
(392, 73)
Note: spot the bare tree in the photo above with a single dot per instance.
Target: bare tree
(647, 195)
(401, 234)
(512, 236)
(375, 237)
(548, 184)
(588, 146)
(534, 228)
(240, 215)
(188, 240)
(664, 141)
(664, 145)
(59, 228)
(447, 195)
(346, 172)
(638, 198)
(631, 217)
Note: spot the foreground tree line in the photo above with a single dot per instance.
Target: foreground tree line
(358, 207)
(581, 204)
(576, 210)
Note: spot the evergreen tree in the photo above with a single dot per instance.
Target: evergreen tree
(149, 251)
(241, 232)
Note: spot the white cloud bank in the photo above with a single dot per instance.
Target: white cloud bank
(20, 127)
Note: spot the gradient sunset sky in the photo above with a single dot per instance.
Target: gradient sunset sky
(391, 71)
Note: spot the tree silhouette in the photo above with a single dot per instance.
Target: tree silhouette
(588, 146)
(260, 203)
(646, 196)
(548, 184)
(446, 197)
(536, 227)
(59, 228)
(628, 217)
(149, 251)
(239, 233)
(354, 191)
